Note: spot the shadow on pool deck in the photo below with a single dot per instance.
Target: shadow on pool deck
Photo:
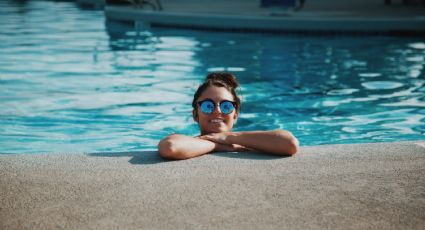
(153, 157)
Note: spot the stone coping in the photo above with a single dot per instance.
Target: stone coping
(352, 186)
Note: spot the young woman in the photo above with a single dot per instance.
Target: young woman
(216, 108)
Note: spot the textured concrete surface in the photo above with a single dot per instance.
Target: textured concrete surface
(362, 186)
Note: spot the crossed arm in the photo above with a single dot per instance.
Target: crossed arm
(179, 147)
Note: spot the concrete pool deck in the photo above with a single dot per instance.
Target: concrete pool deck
(369, 16)
(353, 186)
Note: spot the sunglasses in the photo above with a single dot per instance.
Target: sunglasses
(208, 106)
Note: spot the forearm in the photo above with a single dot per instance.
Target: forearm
(277, 142)
(179, 147)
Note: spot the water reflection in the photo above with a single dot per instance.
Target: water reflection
(77, 82)
(316, 87)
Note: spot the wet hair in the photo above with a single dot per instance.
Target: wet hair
(220, 79)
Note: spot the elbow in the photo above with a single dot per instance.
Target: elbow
(294, 146)
(290, 145)
(168, 149)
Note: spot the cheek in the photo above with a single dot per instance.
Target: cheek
(202, 119)
(230, 119)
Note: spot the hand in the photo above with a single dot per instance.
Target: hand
(229, 148)
(223, 143)
(221, 138)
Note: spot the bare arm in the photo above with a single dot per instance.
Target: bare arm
(277, 141)
(179, 147)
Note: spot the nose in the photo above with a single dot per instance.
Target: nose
(216, 109)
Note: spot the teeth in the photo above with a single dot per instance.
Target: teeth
(216, 120)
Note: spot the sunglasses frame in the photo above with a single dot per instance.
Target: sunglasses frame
(215, 105)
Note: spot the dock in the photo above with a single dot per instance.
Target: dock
(364, 16)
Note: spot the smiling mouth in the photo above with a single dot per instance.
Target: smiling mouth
(217, 121)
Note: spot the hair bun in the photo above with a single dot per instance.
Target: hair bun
(223, 77)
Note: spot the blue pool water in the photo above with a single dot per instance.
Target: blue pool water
(69, 82)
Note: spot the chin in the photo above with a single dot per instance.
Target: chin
(218, 130)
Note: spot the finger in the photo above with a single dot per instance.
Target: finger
(205, 137)
(210, 137)
(231, 149)
(239, 148)
(222, 148)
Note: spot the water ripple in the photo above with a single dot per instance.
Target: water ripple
(72, 82)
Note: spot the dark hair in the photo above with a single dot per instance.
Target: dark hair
(220, 79)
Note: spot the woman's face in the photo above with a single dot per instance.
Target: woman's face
(216, 121)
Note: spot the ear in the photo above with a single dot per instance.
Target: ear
(235, 116)
(195, 115)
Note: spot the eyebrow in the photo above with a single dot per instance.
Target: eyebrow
(215, 101)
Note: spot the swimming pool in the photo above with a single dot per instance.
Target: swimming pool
(71, 83)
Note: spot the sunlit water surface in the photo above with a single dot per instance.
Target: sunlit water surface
(69, 82)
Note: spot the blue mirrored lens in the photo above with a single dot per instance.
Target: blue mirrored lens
(207, 106)
(227, 107)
